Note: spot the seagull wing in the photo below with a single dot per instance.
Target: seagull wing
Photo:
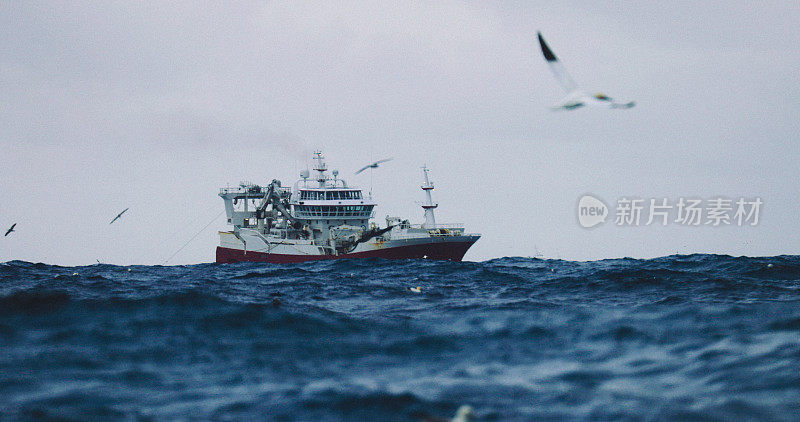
(119, 215)
(629, 104)
(364, 168)
(557, 68)
(572, 101)
(383, 161)
(10, 229)
(576, 97)
(607, 102)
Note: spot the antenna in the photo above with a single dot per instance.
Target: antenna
(370, 181)
(320, 167)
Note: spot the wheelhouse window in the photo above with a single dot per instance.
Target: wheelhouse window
(355, 211)
(330, 195)
(311, 195)
(339, 195)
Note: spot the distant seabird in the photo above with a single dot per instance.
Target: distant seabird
(119, 215)
(374, 165)
(576, 97)
(10, 229)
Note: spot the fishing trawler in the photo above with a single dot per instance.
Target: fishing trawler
(322, 217)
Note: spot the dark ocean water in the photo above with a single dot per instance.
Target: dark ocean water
(697, 337)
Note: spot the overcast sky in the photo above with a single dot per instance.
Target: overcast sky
(155, 105)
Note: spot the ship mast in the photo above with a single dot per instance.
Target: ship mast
(429, 205)
(320, 167)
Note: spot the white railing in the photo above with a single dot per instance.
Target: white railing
(441, 230)
(438, 226)
(245, 189)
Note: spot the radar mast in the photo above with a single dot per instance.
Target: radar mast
(429, 205)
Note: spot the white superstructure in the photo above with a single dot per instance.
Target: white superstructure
(321, 217)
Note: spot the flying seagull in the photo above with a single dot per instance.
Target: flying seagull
(576, 97)
(374, 165)
(119, 215)
(10, 229)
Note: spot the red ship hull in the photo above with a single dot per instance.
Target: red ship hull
(449, 251)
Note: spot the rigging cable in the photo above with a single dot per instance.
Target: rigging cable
(195, 235)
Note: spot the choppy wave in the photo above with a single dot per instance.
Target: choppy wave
(679, 337)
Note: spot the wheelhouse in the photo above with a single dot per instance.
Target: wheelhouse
(333, 211)
(330, 195)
